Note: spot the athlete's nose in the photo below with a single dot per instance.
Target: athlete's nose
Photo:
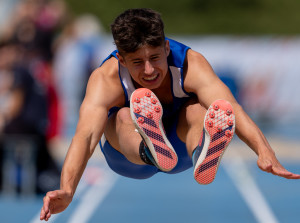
(148, 68)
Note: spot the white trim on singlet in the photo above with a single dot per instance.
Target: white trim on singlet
(177, 82)
(126, 81)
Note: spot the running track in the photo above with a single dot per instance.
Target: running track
(240, 193)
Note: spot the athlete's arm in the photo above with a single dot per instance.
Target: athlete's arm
(104, 91)
(201, 80)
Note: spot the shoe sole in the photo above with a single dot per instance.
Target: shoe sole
(146, 113)
(219, 127)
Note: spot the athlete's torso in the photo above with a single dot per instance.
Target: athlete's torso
(170, 118)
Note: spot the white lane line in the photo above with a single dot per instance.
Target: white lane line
(241, 177)
(98, 190)
(93, 198)
(81, 187)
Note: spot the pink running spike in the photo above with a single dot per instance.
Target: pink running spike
(228, 133)
(149, 115)
(153, 101)
(228, 112)
(213, 142)
(141, 120)
(152, 130)
(137, 100)
(137, 110)
(230, 122)
(212, 114)
(157, 108)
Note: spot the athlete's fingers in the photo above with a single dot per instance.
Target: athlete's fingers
(294, 176)
(48, 216)
(42, 214)
(45, 212)
(276, 168)
(46, 204)
(45, 216)
(281, 172)
(289, 176)
(285, 173)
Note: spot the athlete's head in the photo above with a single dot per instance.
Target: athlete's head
(135, 28)
(143, 50)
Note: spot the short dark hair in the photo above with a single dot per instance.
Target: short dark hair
(137, 27)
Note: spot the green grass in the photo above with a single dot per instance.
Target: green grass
(252, 17)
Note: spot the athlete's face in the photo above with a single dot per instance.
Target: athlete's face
(147, 66)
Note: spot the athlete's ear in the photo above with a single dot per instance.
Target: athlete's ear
(167, 47)
(121, 60)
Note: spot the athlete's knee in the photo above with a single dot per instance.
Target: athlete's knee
(123, 116)
(194, 113)
(191, 116)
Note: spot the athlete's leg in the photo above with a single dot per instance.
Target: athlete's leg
(120, 133)
(145, 115)
(190, 124)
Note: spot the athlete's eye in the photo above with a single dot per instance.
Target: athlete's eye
(137, 62)
(155, 58)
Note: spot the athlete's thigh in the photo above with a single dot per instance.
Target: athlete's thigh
(115, 120)
(110, 147)
(191, 115)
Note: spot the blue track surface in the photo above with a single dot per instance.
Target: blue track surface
(172, 198)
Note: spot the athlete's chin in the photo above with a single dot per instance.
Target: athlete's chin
(151, 87)
(151, 84)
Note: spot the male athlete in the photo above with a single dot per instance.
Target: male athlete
(157, 106)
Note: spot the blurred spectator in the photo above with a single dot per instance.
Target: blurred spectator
(46, 58)
(6, 8)
(23, 112)
(76, 55)
(35, 24)
(29, 103)
(18, 92)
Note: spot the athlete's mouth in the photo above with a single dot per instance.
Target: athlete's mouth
(150, 78)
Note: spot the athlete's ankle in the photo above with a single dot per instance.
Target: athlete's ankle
(198, 149)
(143, 154)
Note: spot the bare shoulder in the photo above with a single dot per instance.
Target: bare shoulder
(104, 85)
(194, 55)
(105, 75)
(197, 71)
(201, 79)
(195, 61)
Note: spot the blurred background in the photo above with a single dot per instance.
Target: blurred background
(48, 48)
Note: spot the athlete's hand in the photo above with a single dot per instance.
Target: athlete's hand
(55, 202)
(269, 163)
